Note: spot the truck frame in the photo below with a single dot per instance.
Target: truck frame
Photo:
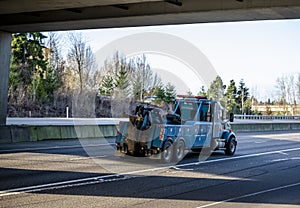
(195, 124)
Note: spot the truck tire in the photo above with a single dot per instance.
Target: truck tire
(230, 146)
(167, 152)
(179, 150)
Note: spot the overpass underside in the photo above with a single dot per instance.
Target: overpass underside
(54, 15)
(34, 15)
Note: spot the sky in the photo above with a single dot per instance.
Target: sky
(258, 51)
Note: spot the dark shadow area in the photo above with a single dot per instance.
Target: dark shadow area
(179, 188)
(11, 178)
(74, 147)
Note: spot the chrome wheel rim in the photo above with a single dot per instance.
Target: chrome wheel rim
(180, 150)
(167, 154)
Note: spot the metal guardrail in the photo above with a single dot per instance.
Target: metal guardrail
(266, 117)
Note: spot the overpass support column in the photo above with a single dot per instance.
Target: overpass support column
(5, 52)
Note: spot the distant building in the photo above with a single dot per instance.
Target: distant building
(265, 109)
(150, 99)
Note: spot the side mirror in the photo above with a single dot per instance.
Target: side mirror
(231, 117)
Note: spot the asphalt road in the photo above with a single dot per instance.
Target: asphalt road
(264, 172)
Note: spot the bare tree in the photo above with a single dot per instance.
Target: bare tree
(287, 91)
(298, 88)
(81, 60)
(282, 90)
(287, 87)
(291, 89)
(143, 79)
(132, 76)
(55, 56)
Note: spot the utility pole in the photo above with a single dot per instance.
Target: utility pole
(243, 101)
(142, 88)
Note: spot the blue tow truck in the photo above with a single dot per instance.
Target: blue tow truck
(195, 124)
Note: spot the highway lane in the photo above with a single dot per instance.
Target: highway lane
(264, 172)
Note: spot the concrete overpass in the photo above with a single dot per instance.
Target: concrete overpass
(54, 15)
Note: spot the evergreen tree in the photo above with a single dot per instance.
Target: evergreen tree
(28, 65)
(159, 92)
(216, 90)
(202, 92)
(242, 97)
(133, 77)
(107, 85)
(117, 77)
(170, 93)
(230, 96)
(47, 85)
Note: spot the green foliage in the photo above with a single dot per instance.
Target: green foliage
(133, 77)
(107, 85)
(117, 77)
(31, 71)
(202, 92)
(27, 63)
(242, 96)
(170, 93)
(230, 96)
(216, 89)
(268, 110)
(248, 107)
(164, 94)
(47, 85)
(122, 80)
(159, 92)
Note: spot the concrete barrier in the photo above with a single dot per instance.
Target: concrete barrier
(26, 133)
(67, 132)
(23, 134)
(260, 127)
(5, 135)
(48, 132)
(295, 126)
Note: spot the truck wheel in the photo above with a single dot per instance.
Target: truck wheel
(167, 153)
(230, 146)
(179, 150)
(125, 149)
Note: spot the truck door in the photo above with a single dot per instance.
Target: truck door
(216, 119)
(205, 125)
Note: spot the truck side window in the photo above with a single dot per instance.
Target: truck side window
(178, 111)
(203, 112)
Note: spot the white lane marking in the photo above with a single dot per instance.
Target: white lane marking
(252, 194)
(280, 160)
(177, 168)
(283, 153)
(285, 159)
(276, 135)
(260, 142)
(240, 157)
(56, 147)
(67, 185)
(51, 185)
(42, 187)
(87, 158)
